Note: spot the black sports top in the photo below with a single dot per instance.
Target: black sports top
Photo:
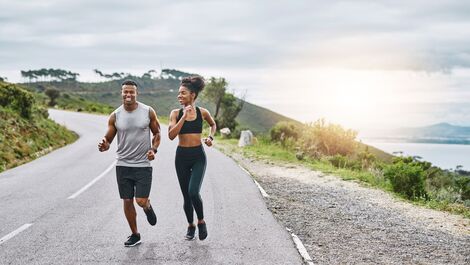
(194, 126)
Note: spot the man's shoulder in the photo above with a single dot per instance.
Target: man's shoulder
(118, 109)
(144, 106)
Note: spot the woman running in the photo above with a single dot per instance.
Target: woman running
(190, 158)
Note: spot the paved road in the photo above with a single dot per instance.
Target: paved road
(91, 228)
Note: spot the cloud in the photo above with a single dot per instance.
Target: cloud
(252, 43)
(415, 35)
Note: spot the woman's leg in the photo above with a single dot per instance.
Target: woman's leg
(195, 183)
(184, 174)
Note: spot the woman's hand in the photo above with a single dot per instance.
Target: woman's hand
(188, 110)
(208, 141)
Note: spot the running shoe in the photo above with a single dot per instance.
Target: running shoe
(132, 240)
(151, 217)
(202, 231)
(191, 232)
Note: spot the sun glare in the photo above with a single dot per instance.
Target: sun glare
(353, 98)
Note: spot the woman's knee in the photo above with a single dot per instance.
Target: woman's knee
(194, 194)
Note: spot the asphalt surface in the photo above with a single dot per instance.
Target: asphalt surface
(91, 228)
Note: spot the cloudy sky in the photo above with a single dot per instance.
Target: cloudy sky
(358, 63)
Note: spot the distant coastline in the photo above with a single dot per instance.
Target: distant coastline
(440, 133)
(457, 141)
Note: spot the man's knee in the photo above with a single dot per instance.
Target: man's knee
(142, 202)
(128, 201)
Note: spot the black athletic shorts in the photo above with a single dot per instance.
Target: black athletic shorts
(134, 181)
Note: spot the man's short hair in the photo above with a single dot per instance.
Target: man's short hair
(129, 83)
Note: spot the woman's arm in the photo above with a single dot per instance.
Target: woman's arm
(207, 117)
(174, 127)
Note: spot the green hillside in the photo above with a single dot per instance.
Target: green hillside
(161, 94)
(27, 133)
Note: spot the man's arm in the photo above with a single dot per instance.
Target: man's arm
(110, 134)
(155, 128)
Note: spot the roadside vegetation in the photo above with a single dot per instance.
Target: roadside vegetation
(331, 149)
(27, 133)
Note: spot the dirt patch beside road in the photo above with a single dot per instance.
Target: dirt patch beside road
(344, 222)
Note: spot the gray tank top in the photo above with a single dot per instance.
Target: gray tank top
(133, 136)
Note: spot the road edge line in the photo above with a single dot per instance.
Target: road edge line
(263, 192)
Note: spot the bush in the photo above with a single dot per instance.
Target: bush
(16, 99)
(284, 130)
(53, 94)
(366, 158)
(407, 178)
(328, 139)
(463, 185)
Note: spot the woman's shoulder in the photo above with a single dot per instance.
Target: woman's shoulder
(174, 112)
(204, 111)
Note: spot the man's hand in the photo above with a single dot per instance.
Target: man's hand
(103, 145)
(150, 155)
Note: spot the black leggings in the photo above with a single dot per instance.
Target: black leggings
(190, 165)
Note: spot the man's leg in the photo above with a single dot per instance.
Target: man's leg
(131, 215)
(126, 191)
(143, 185)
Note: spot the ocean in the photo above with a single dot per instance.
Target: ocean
(446, 156)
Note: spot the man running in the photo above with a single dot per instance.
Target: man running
(131, 122)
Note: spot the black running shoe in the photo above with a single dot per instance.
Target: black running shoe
(191, 232)
(202, 231)
(132, 240)
(151, 217)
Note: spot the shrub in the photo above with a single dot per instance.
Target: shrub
(447, 195)
(366, 158)
(53, 94)
(16, 99)
(284, 130)
(463, 185)
(407, 178)
(328, 139)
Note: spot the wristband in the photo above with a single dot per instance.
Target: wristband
(210, 137)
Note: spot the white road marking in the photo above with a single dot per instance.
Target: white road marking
(246, 171)
(14, 233)
(73, 196)
(263, 192)
(301, 248)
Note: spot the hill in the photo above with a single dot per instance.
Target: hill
(26, 131)
(160, 93)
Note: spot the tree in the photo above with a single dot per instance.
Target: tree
(227, 106)
(98, 72)
(215, 92)
(230, 106)
(53, 94)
